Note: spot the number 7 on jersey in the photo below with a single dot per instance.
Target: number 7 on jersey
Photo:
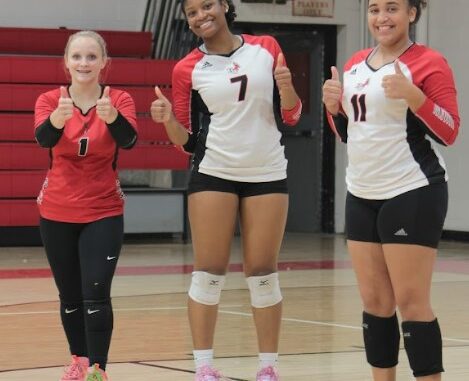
(242, 89)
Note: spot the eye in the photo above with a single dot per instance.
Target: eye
(207, 6)
(92, 57)
(373, 11)
(76, 56)
(392, 9)
(190, 14)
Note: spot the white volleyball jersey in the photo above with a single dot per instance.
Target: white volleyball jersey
(391, 150)
(227, 104)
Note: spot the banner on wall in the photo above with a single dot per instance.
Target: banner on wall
(313, 8)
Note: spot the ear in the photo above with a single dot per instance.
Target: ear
(225, 5)
(412, 14)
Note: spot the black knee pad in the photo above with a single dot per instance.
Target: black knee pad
(422, 342)
(381, 337)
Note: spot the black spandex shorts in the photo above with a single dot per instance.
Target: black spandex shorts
(200, 182)
(415, 217)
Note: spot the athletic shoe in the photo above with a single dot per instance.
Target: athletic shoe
(207, 373)
(76, 371)
(96, 374)
(267, 374)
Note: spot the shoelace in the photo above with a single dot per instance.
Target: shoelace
(267, 372)
(73, 371)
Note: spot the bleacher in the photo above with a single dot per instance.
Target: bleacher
(32, 63)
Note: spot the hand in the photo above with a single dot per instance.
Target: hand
(332, 92)
(282, 75)
(161, 108)
(64, 110)
(104, 108)
(396, 86)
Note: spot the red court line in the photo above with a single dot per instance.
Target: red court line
(452, 266)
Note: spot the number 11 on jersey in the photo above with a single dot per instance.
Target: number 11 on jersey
(359, 107)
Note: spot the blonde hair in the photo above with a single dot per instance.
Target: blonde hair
(91, 34)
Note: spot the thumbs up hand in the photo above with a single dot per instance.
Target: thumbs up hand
(282, 75)
(332, 92)
(104, 108)
(161, 108)
(396, 86)
(64, 110)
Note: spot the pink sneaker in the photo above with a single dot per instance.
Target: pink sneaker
(96, 374)
(267, 374)
(76, 371)
(207, 373)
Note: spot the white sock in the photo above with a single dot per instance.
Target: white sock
(267, 359)
(203, 357)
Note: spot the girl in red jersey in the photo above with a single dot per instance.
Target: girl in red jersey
(81, 202)
(223, 94)
(396, 101)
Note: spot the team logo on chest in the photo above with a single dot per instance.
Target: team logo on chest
(233, 68)
(361, 85)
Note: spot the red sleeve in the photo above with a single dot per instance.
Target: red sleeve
(46, 103)
(440, 111)
(182, 88)
(124, 103)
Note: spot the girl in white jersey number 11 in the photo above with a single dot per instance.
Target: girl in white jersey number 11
(396, 102)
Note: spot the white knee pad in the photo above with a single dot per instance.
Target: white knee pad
(265, 290)
(206, 288)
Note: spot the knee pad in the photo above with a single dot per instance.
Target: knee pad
(206, 288)
(265, 290)
(98, 315)
(424, 347)
(381, 337)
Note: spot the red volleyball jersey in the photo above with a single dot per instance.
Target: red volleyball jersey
(82, 183)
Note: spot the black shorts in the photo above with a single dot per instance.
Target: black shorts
(415, 217)
(200, 182)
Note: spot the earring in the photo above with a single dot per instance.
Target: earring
(226, 10)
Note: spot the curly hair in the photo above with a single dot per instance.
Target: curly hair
(419, 5)
(230, 15)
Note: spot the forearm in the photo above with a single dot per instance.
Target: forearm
(415, 98)
(176, 131)
(288, 98)
(122, 132)
(47, 135)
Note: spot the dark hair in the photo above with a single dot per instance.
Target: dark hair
(230, 15)
(419, 5)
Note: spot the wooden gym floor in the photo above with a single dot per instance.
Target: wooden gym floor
(321, 335)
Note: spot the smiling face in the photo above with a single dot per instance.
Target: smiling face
(389, 20)
(84, 59)
(206, 17)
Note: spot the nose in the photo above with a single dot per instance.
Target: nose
(382, 17)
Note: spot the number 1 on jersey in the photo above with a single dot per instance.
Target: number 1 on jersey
(359, 107)
(244, 84)
(83, 147)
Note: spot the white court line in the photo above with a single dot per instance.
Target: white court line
(114, 309)
(313, 322)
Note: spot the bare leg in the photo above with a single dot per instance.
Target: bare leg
(212, 217)
(375, 289)
(411, 268)
(263, 220)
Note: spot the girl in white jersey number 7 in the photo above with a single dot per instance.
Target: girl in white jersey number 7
(396, 101)
(223, 113)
